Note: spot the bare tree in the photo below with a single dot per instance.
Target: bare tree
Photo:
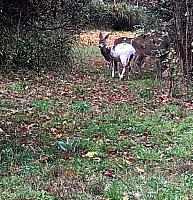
(183, 21)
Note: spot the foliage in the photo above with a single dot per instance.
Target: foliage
(148, 13)
(40, 38)
(162, 10)
(37, 50)
(120, 16)
(81, 107)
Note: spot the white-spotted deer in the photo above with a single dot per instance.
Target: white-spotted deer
(145, 45)
(122, 53)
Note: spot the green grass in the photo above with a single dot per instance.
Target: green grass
(5, 104)
(66, 140)
(85, 53)
(42, 105)
(19, 188)
(17, 87)
(81, 106)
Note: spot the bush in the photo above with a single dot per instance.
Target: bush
(39, 35)
(37, 50)
(120, 16)
(162, 10)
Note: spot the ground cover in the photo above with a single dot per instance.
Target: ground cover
(90, 136)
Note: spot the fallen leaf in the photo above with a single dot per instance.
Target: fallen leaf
(66, 156)
(91, 154)
(131, 159)
(137, 196)
(110, 172)
(43, 158)
(145, 136)
(112, 153)
(48, 117)
(22, 139)
(70, 173)
(139, 170)
(57, 132)
(126, 198)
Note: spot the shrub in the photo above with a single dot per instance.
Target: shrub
(120, 16)
(37, 50)
(39, 34)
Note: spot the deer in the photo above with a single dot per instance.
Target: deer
(145, 45)
(122, 53)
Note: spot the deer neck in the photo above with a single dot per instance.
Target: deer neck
(105, 53)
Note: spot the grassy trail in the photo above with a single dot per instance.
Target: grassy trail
(88, 136)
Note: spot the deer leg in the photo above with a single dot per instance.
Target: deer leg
(116, 65)
(122, 74)
(129, 72)
(113, 68)
(140, 64)
(130, 65)
(124, 62)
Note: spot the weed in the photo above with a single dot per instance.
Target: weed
(145, 94)
(42, 105)
(81, 106)
(5, 104)
(18, 86)
(79, 89)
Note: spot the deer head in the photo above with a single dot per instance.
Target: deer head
(105, 50)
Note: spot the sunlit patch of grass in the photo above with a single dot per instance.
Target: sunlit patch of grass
(115, 190)
(144, 88)
(105, 130)
(86, 52)
(151, 153)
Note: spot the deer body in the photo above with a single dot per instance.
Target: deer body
(123, 53)
(145, 45)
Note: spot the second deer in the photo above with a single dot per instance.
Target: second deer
(145, 45)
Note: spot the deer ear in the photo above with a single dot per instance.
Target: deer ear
(100, 35)
(107, 36)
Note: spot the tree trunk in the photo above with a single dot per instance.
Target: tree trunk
(183, 19)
